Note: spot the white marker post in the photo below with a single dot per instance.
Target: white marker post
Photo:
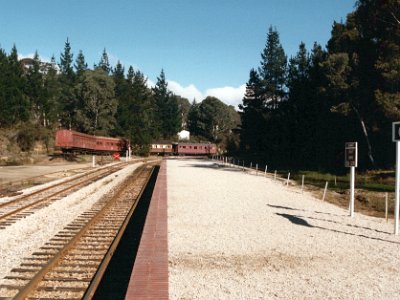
(386, 206)
(326, 188)
(351, 158)
(396, 139)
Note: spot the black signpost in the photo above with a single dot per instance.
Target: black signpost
(396, 131)
(351, 161)
(351, 155)
(396, 139)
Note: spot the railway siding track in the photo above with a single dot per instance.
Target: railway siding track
(23, 206)
(72, 263)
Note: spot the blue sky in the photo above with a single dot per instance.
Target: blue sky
(205, 47)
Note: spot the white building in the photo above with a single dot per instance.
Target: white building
(184, 135)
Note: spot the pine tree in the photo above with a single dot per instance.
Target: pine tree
(80, 64)
(97, 103)
(252, 114)
(273, 70)
(15, 103)
(52, 107)
(104, 62)
(68, 100)
(167, 110)
(193, 119)
(135, 111)
(66, 61)
(350, 72)
(35, 90)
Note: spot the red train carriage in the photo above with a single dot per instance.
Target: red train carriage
(195, 149)
(161, 148)
(72, 141)
(168, 148)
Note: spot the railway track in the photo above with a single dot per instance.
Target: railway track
(72, 263)
(25, 205)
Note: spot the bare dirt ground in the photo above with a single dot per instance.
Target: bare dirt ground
(45, 169)
(14, 178)
(237, 236)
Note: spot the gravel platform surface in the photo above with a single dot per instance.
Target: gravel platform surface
(233, 235)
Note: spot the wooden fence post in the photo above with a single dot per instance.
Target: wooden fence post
(326, 187)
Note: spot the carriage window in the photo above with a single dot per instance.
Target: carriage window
(195, 147)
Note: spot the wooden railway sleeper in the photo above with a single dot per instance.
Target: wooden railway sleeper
(54, 262)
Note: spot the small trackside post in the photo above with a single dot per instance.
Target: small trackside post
(351, 159)
(326, 188)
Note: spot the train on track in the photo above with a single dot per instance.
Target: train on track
(69, 141)
(167, 148)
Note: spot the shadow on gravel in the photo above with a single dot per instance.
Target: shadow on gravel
(299, 221)
(214, 166)
(295, 220)
(313, 211)
(325, 220)
(282, 207)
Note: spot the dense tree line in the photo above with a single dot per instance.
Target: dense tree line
(299, 112)
(36, 98)
(213, 120)
(104, 100)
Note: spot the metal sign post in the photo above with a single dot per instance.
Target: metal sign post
(351, 159)
(396, 139)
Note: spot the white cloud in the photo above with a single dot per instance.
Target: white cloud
(150, 84)
(229, 95)
(190, 92)
(31, 55)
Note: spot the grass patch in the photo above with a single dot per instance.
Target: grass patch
(363, 181)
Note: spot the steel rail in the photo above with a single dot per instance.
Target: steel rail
(49, 187)
(47, 198)
(53, 262)
(94, 284)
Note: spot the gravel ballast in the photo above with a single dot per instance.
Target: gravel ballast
(233, 235)
(27, 235)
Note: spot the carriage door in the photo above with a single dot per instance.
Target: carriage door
(175, 148)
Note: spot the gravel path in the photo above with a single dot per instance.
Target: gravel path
(238, 236)
(27, 235)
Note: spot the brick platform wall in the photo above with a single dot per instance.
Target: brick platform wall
(149, 279)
